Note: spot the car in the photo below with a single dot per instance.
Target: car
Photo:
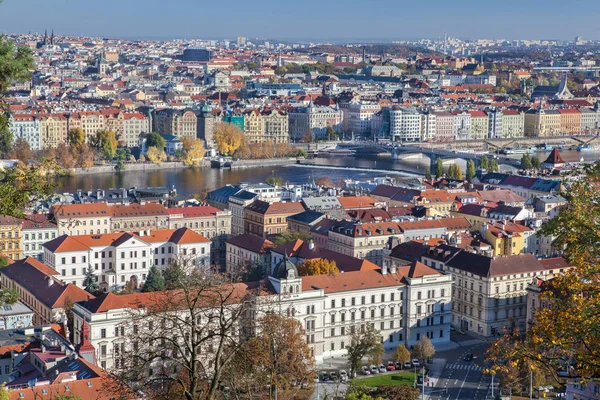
(382, 368)
(416, 363)
(343, 376)
(391, 366)
(325, 377)
(398, 366)
(374, 369)
(334, 376)
(468, 357)
(407, 365)
(366, 370)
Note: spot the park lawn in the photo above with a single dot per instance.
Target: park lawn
(406, 378)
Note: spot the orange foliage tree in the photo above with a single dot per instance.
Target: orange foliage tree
(317, 266)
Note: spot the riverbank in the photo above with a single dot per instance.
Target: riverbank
(241, 164)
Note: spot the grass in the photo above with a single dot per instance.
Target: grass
(406, 378)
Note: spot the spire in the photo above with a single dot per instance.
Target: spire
(52, 37)
(85, 349)
(45, 36)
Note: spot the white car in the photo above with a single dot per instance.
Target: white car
(343, 376)
(382, 368)
(416, 362)
(374, 369)
(366, 370)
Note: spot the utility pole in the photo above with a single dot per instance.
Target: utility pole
(423, 385)
(530, 383)
(493, 386)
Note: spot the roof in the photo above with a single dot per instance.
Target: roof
(554, 158)
(500, 195)
(498, 266)
(38, 279)
(278, 207)
(356, 202)
(307, 217)
(37, 221)
(253, 243)
(194, 211)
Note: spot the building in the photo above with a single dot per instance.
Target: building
(405, 124)
(181, 123)
(590, 121)
(53, 130)
(196, 54)
(207, 121)
(313, 118)
(82, 219)
(304, 221)
(266, 126)
(495, 123)
(246, 249)
(479, 125)
(268, 219)
(120, 258)
(428, 126)
(461, 125)
(540, 122)
(507, 238)
(236, 204)
(570, 120)
(444, 123)
(40, 289)
(14, 316)
(10, 237)
(358, 118)
(26, 127)
(37, 229)
(134, 217)
(513, 124)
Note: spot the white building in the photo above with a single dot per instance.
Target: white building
(428, 124)
(358, 118)
(405, 124)
(118, 258)
(315, 118)
(27, 127)
(36, 230)
(404, 304)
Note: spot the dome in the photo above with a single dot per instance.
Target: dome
(286, 269)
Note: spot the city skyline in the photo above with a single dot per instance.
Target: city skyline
(381, 20)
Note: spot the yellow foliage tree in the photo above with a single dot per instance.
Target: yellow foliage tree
(193, 151)
(156, 155)
(317, 266)
(228, 137)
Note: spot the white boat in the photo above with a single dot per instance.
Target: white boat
(588, 147)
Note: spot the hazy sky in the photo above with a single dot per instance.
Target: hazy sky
(385, 19)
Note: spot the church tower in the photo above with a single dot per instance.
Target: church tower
(85, 349)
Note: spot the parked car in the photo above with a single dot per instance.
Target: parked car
(398, 366)
(366, 370)
(468, 357)
(382, 368)
(374, 369)
(324, 377)
(334, 376)
(343, 376)
(416, 363)
(391, 366)
(407, 365)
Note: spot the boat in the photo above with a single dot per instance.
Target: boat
(545, 146)
(587, 147)
(221, 163)
(336, 153)
(519, 150)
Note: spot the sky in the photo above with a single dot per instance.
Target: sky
(306, 19)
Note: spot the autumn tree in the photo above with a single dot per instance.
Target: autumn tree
(317, 266)
(155, 155)
(75, 137)
(65, 157)
(423, 349)
(278, 358)
(493, 166)
(106, 143)
(364, 343)
(565, 335)
(402, 354)
(330, 133)
(484, 163)
(308, 137)
(398, 392)
(186, 337)
(25, 185)
(290, 236)
(86, 156)
(324, 181)
(229, 138)
(21, 150)
(193, 151)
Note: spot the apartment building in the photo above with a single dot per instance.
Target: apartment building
(236, 204)
(479, 125)
(10, 237)
(513, 124)
(313, 118)
(540, 122)
(26, 127)
(444, 123)
(267, 219)
(133, 217)
(40, 289)
(181, 123)
(495, 118)
(121, 258)
(82, 219)
(404, 304)
(266, 126)
(247, 249)
(461, 125)
(53, 130)
(428, 126)
(405, 124)
(37, 229)
(570, 120)
(357, 118)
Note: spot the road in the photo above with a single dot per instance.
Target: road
(464, 379)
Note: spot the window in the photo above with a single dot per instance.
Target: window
(352, 302)
(372, 299)
(73, 260)
(333, 303)
(332, 333)
(418, 295)
(443, 292)
(383, 297)
(103, 334)
(343, 302)
(419, 310)
(362, 300)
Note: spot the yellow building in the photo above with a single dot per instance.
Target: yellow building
(479, 125)
(263, 126)
(542, 123)
(53, 130)
(570, 120)
(10, 237)
(506, 238)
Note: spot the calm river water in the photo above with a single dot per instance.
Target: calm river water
(193, 180)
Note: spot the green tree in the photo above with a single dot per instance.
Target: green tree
(120, 166)
(493, 165)
(3, 262)
(174, 275)
(155, 140)
(535, 162)
(301, 153)
(6, 140)
(274, 180)
(23, 186)
(89, 282)
(398, 392)
(439, 168)
(470, 170)
(484, 163)
(364, 343)
(427, 174)
(106, 142)
(526, 162)
(330, 133)
(75, 137)
(290, 236)
(154, 281)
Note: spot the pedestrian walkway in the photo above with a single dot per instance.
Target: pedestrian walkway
(465, 367)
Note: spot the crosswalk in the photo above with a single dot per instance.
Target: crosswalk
(469, 367)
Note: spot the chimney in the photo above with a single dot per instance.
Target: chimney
(384, 269)
(141, 233)
(50, 281)
(392, 269)
(311, 245)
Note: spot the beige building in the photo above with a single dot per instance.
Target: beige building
(53, 130)
(267, 219)
(10, 237)
(539, 122)
(135, 217)
(479, 125)
(444, 123)
(90, 122)
(570, 120)
(513, 124)
(175, 122)
(266, 125)
(82, 219)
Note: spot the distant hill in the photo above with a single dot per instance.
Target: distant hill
(393, 49)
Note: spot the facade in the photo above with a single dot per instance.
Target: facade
(590, 121)
(179, 123)
(53, 130)
(134, 217)
(479, 125)
(358, 118)
(13, 316)
(266, 126)
(315, 118)
(244, 249)
(10, 237)
(37, 229)
(495, 124)
(570, 120)
(26, 127)
(428, 126)
(237, 203)
(121, 258)
(82, 219)
(132, 125)
(539, 122)
(405, 124)
(444, 123)
(513, 124)
(461, 125)
(206, 121)
(267, 219)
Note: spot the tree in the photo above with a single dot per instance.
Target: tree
(278, 357)
(439, 168)
(291, 236)
(402, 354)
(154, 281)
(106, 142)
(317, 266)
(174, 275)
(89, 282)
(330, 133)
(120, 166)
(274, 180)
(301, 153)
(423, 349)
(398, 392)
(24, 186)
(155, 155)
(21, 150)
(155, 140)
(427, 174)
(308, 137)
(535, 162)
(564, 334)
(526, 162)
(188, 337)
(484, 163)
(458, 172)
(228, 137)
(324, 181)
(364, 343)
(493, 165)
(86, 156)
(193, 151)
(75, 137)
(3, 262)
(6, 139)
(470, 170)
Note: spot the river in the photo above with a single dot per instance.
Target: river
(190, 181)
